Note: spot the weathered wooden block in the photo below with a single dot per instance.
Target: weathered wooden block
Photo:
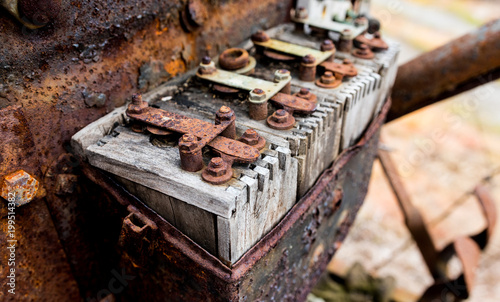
(226, 220)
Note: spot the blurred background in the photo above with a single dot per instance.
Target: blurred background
(442, 152)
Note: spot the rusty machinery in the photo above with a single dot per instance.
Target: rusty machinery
(65, 64)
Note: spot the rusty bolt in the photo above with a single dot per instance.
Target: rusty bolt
(260, 36)
(188, 142)
(327, 45)
(226, 115)
(217, 172)
(281, 120)
(39, 12)
(206, 60)
(257, 95)
(252, 138)
(301, 13)
(327, 78)
(19, 188)
(363, 52)
(305, 93)
(138, 105)
(191, 156)
(307, 70)
(206, 68)
(281, 75)
(346, 34)
(308, 59)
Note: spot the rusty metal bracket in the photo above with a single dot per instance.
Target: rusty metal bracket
(246, 83)
(467, 249)
(292, 103)
(295, 50)
(344, 69)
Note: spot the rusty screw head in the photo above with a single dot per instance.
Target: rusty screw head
(188, 143)
(217, 172)
(346, 61)
(280, 116)
(301, 13)
(137, 105)
(304, 93)
(257, 95)
(281, 75)
(224, 114)
(281, 120)
(260, 36)
(327, 78)
(252, 138)
(308, 59)
(206, 60)
(327, 45)
(19, 188)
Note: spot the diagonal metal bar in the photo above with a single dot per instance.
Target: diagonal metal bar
(465, 63)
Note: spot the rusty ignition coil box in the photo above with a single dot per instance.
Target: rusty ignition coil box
(228, 219)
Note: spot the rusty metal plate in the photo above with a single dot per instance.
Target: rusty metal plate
(240, 152)
(204, 131)
(244, 82)
(345, 69)
(294, 103)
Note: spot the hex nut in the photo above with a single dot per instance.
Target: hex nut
(137, 105)
(217, 171)
(281, 75)
(188, 143)
(281, 120)
(224, 114)
(19, 187)
(257, 95)
(207, 68)
(252, 138)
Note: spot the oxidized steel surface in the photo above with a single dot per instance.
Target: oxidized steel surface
(238, 151)
(233, 58)
(283, 266)
(460, 65)
(20, 187)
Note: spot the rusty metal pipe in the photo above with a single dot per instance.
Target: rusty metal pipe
(465, 63)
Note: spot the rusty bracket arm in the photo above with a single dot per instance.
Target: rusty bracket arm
(458, 66)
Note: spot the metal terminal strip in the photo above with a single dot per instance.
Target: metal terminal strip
(296, 50)
(243, 82)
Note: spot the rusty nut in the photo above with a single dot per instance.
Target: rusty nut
(234, 58)
(188, 143)
(19, 187)
(217, 172)
(281, 75)
(252, 138)
(327, 45)
(281, 120)
(257, 95)
(138, 105)
(206, 66)
(224, 114)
